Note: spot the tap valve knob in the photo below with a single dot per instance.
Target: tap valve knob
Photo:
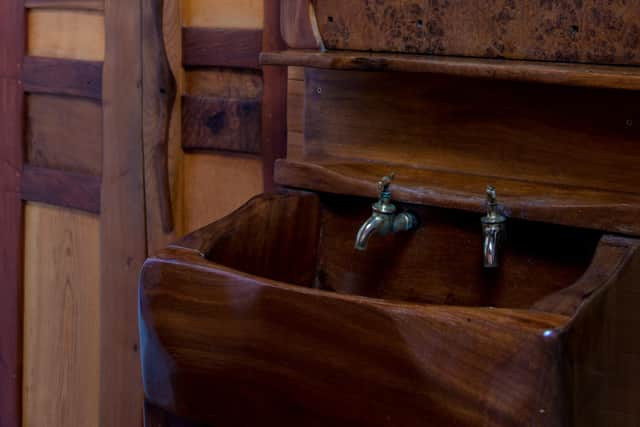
(493, 216)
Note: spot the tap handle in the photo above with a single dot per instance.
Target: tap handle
(383, 184)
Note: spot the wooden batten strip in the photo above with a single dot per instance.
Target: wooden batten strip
(66, 4)
(219, 123)
(221, 47)
(60, 188)
(62, 76)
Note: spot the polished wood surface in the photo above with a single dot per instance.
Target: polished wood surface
(65, 4)
(223, 13)
(62, 76)
(275, 346)
(586, 31)
(581, 75)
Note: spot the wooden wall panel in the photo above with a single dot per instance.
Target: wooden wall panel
(122, 220)
(217, 184)
(498, 129)
(11, 157)
(64, 133)
(223, 13)
(62, 76)
(62, 317)
(66, 34)
(221, 123)
(223, 82)
(222, 47)
(66, 4)
(295, 113)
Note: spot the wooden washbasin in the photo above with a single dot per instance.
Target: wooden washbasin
(271, 317)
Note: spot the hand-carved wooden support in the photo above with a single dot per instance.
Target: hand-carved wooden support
(157, 105)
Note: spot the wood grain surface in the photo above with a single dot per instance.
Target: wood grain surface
(536, 133)
(223, 13)
(65, 189)
(221, 123)
(12, 34)
(585, 75)
(220, 47)
(61, 297)
(64, 133)
(67, 34)
(65, 4)
(62, 77)
(122, 220)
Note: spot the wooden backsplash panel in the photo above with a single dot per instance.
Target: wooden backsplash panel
(598, 31)
(549, 134)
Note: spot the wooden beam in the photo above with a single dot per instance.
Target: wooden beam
(274, 100)
(62, 76)
(12, 35)
(585, 75)
(66, 189)
(122, 221)
(65, 4)
(221, 47)
(221, 123)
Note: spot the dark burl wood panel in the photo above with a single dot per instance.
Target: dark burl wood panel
(529, 132)
(221, 123)
(596, 31)
(221, 47)
(62, 76)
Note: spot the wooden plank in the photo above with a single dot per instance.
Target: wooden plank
(65, 189)
(531, 201)
(274, 100)
(12, 33)
(596, 76)
(10, 250)
(222, 13)
(157, 235)
(65, 4)
(218, 123)
(62, 317)
(215, 185)
(70, 34)
(295, 106)
(224, 82)
(122, 222)
(221, 47)
(590, 31)
(581, 138)
(64, 133)
(62, 76)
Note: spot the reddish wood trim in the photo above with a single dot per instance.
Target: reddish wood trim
(12, 37)
(274, 100)
(62, 76)
(67, 189)
(586, 75)
(217, 123)
(221, 47)
(122, 221)
(66, 4)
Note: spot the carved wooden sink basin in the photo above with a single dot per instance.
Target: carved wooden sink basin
(270, 317)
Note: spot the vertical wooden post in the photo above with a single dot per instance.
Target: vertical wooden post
(122, 227)
(12, 36)
(274, 101)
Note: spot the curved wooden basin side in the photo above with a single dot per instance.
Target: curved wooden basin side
(226, 348)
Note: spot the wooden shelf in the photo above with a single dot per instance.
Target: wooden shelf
(587, 75)
(566, 205)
